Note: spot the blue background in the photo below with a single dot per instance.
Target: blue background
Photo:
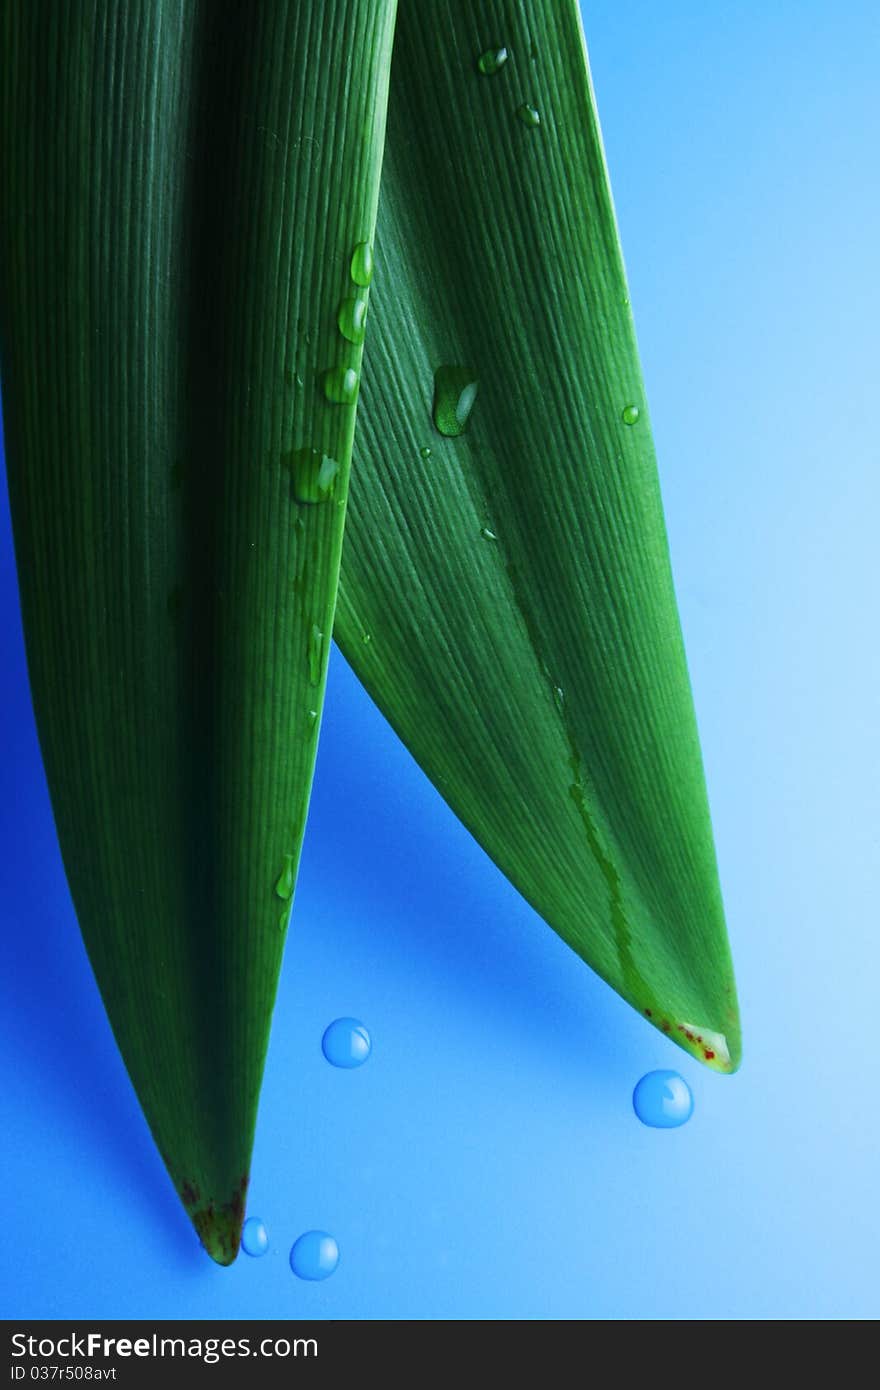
(486, 1162)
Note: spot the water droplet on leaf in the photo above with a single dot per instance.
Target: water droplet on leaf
(346, 1043)
(352, 319)
(314, 475)
(529, 115)
(630, 414)
(487, 534)
(663, 1100)
(362, 263)
(316, 653)
(490, 61)
(455, 390)
(340, 385)
(315, 1255)
(425, 452)
(284, 886)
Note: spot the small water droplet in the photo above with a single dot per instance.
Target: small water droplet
(346, 1043)
(254, 1237)
(559, 697)
(316, 653)
(314, 475)
(299, 381)
(425, 452)
(312, 718)
(487, 534)
(529, 115)
(284, 886)
(352, 319)
(630, 414)
(366, 638)
(340, 385)
(663, 1100)
(362, 263)
(284, 920)
(490, 61)
(315, 1255)
(455, 390)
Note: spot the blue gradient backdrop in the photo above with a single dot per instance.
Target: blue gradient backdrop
(486, 1161)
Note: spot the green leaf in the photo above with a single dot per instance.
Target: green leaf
(183, 186)
(515, 585)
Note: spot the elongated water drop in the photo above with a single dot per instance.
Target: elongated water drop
(346, 1043)
(362, 263)
(316, 653)
(663, 1100)
(254, 1237)
(340, 385)
(314, 475)
(487, 534)
(455, 390)
(529, 115)
(351, 319)
(312, 718)
(284, 886)
(315, 1255)
(490, 61)
(630, 414)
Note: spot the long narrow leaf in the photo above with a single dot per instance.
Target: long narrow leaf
(183, 186)
(506, 591)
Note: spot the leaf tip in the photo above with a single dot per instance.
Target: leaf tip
(218, 1224)
(719, 1051)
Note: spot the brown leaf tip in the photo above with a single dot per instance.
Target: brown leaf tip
(218, 1225)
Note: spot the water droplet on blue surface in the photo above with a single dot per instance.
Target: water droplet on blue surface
(663, 1100)
(352, 319)
(314, 475)
(346, 1043)
(630, 414)
(284, 886)
(254, 1237)
(529, 115)
(315, 1255)
(340, 385)
(490, 61)
(362, 264)
(455, 390)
